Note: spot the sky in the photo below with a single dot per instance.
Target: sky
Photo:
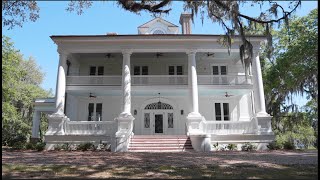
(33, 38)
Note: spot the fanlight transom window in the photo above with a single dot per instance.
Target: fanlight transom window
(158, 105)
(158, 31)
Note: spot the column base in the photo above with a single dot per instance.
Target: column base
(194, 123)
(264, 124)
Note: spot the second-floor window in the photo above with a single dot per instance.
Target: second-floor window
(219, 70)
(140, 70)
(96, 70)
(175, 70)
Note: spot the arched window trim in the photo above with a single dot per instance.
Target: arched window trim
(158, 105)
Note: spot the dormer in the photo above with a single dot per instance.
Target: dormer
(158, 26)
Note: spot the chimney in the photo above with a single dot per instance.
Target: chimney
(185, 21)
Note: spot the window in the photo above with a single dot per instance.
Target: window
(175, 70)
(219, 70)
(146, 120)
(158, 31)
(94, 72)
(222, 111)
(170, 120)
(95, 112)
(140, 70)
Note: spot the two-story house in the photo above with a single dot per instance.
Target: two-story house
(157, 85)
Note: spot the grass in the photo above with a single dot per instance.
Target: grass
(242, 171)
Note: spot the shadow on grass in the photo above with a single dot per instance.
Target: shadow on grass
(242, 171)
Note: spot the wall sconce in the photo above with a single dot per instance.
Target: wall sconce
(181, 112)
(135, 112)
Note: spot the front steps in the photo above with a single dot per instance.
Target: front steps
(160, 143)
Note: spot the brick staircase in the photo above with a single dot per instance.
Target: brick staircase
(160, 143)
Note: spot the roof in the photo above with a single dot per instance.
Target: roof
(154, 35)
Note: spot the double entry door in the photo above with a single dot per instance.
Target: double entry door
(157, 122)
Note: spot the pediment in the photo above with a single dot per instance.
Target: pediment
(158, 26)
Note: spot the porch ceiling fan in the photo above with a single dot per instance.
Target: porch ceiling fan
(159, 55)
(92, 96)
(109, 55)
(210, 54)
(228, 95)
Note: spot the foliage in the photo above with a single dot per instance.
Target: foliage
(86, 146)
(40, 146)
(248, 147)
(21, 81)
(274, 145)
(226, 13)
(232, 147)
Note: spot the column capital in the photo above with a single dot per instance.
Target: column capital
(126, 52)
(62, 52)
(191, 52)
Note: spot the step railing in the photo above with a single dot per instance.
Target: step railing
(89, 127)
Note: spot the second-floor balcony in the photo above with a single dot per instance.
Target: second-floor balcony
(150, 80)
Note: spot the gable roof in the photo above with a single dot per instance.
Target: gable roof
(169, 24)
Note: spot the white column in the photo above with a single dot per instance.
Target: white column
(258, 90)
(193, 83)
(61, 84)
(36, 124)
(126, 85)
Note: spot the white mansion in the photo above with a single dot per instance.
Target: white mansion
(143, 91)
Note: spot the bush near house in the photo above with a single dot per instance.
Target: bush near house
(248, 147)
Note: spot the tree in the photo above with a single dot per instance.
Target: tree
(226, 13)
(21, 81)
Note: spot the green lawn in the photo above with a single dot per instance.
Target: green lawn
(235, 171)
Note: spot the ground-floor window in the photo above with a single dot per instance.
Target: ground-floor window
(95, 112)
(222, 111)
(146, 120)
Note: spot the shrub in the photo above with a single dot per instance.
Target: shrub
(288, 145)
(57, 147)
(66, 147)
(248, 147)
(40, 146)
(31, 146)
(85, 146)
(18, 142)
(232, 147)
(274, 145)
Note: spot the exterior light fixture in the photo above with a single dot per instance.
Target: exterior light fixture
(159, 103)
(181, 111)
(135, 112)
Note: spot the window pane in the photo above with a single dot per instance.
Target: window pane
(92, 70)
(144, 70)
(218, 111)
(170, 120)
(223, 70)
(100, 70)
(179, 70)
(215, 70)
(146, 120)
(99, 112)
(171, 70)
(136, 70)
(90, 110)
(226, 111)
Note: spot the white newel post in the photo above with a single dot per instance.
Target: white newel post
(36, 125)
(199, 140)
(264, 119)
(125, 119)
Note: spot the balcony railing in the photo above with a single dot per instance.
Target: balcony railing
(146, 80)
(224, 79)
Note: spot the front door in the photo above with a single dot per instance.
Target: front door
(158, 121)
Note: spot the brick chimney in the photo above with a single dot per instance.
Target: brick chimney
(185, 21)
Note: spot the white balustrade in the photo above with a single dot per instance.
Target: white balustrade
(159, 80)
(230, 127)
(94, 80)
(90, 127)
(141, 80)
(224, 79)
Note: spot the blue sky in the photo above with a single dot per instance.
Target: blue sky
(33, 38)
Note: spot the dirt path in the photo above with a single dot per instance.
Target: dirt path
(182, 165)
(156, 159)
